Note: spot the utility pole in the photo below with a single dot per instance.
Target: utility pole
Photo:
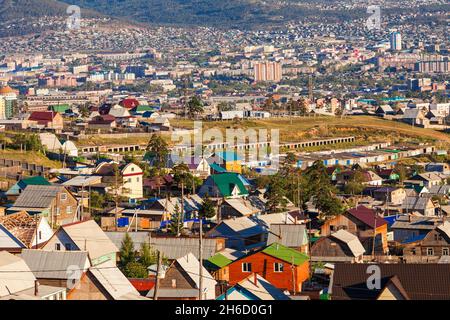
(200, 258)
(294, 289)
(158, 270)
(182, 209)
(374, 236)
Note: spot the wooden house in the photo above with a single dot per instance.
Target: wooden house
(283, 267)
(363, 222)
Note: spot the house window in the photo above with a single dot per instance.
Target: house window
(137, 179)
(40, 235)
(129, 180)
(246, 267)
(445, 251)
(430, 252)
(174, 283)
(57, 246)
(63, 196)
(69, 209)
(278, 267)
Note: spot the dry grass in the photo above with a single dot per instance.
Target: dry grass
(30, 157)
(365, 128)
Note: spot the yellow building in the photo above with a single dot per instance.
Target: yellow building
(228, 160)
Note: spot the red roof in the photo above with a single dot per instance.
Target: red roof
(42, 115)
(367, 216)
(142, 284)
(129, 103)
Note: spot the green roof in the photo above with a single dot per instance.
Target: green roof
(142, 108)
(390, 150)
(286, 254)
(35, 181)
(219, 260)
(217, 168)
(60, 108)
(226, 183)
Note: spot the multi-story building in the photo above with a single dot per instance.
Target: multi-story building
(8, 102)
(396, 41)
(267, 71)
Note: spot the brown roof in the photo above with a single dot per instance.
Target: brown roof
(414, 281)
(367, 216)
(21, 225)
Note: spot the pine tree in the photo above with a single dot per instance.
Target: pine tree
(207, 209)
(147, 255)
(127, 253)
(176, 222)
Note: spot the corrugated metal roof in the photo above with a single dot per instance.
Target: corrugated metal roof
(289, 235)
(351, 241)
(15, 275)
(191, 265)
(88, 236)
(38, 196)
(113, 281)
(55, 264)
(171, 247)
(242, 206)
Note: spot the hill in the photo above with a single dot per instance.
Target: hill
(229, 13)
(29, 16)
(21, 9)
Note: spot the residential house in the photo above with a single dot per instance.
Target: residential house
(393, 195)
(438, 167)
(397, 282)
(17, 188)
(228, 160)
(160, 124)
(48, 119)
(62, 269)
(240, 233)
(170, 246)
(384, 110)
(427, 179)
(54, 202)
(130, 182)
(181, 281)
(17, 281)
(422, 205)
(217, 264)
(84, 236)
(407, 228)
(104, 282)
(223, 185)
(290, 235)
(415, 117)
(20, 230)
(237, 207)
(103, 122)
(254, 288)
(191, 205)
(363, 222)
(340, 246)
(283, 267)
(441, 190)
(435, 243)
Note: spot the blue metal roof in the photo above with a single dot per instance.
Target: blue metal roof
(414, 238)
